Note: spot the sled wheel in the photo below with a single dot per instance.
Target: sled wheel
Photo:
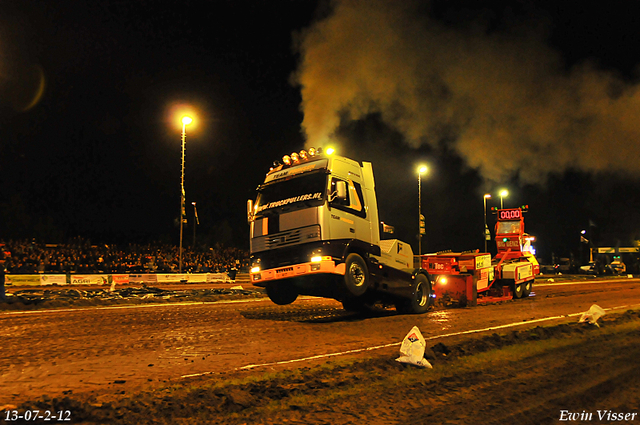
(420, 298)
(526, 288)
(518, 290)
(356, 276)
(282, 293)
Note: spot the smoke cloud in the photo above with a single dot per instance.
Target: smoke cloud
(505, 101)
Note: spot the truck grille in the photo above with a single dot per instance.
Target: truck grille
(286, 269)
(286, 238)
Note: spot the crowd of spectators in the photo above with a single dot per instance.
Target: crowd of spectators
(80, 256)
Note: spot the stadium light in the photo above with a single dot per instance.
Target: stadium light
(503, 194)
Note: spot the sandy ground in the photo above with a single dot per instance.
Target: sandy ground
(90, 359)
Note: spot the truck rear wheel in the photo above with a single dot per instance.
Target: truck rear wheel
(420, 299)
(356, 276)
(282, 293)
(526, 288)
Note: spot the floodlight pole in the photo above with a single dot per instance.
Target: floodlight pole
(185, 121)
(421, 170)
(486, 229)
(419, 213)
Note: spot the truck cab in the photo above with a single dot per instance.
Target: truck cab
(314, 230)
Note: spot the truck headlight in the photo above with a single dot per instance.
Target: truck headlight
(255, 269)
(319, 258)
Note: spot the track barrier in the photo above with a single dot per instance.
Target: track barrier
(117, 279)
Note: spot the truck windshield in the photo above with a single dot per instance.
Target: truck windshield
(299, 192)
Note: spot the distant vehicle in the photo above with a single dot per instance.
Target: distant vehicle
(616, 267)
(547, 268)
(591, 268)
(563, 266)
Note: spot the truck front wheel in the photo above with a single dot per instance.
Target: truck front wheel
(356, 276)
(282, 293)
(420, 299)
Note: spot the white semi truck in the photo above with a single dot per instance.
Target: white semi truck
(315, 231)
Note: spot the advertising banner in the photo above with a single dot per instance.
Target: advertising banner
(89, 279)
(174, 277)
(291, 200)
(483, 261)
(143, 278)
(53, 279)
(217, 277)
(120, 279)
(197, 278)
(182, 277)
(22, 279)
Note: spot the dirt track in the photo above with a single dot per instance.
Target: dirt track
(105, 354)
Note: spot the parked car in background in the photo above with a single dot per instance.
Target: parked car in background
(616, 267)
(564, 265)
(593, 268)
(547, 268)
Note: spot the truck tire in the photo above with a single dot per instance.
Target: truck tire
(281, 293)
(518, 290)
(526, 288)
(420, 300)
(356, 275)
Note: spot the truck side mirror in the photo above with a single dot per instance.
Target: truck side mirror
(341, 190)
(249, 210)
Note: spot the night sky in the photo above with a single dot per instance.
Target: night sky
(538, 97)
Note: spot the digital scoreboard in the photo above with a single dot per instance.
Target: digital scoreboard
(510, 214)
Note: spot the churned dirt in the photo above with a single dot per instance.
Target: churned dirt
(237, 363)
(30, 298)
(586, 370)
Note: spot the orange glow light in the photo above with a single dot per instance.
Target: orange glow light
(178, 115)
